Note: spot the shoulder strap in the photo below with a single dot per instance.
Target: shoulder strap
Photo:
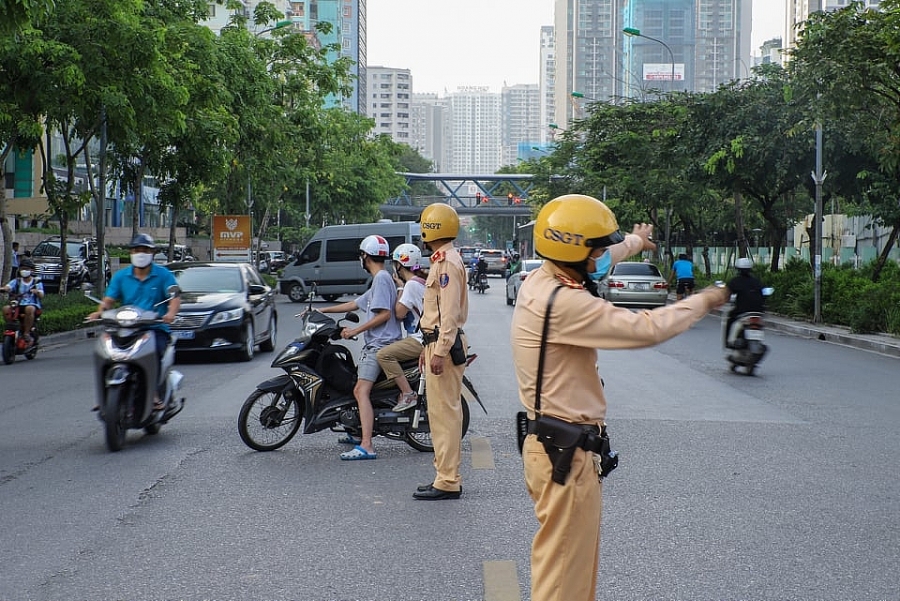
(541, 357)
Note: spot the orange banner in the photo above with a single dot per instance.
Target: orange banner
(232, 238)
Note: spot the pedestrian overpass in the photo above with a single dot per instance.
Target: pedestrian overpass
(500, 194)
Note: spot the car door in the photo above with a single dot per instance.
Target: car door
(261, 301)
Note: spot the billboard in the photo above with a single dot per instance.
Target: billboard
(663, 71)
(232, 238)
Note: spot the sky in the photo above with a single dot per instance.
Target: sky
(452, 43)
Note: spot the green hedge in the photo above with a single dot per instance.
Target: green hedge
(64, 313)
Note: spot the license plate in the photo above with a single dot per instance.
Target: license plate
(640, 286)
(48, 277)
(183, 334)
(753, 334)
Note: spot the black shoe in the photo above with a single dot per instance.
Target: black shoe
(436, 494)
(426, 487)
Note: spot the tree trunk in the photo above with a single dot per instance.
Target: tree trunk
(138, 196)
(883, 256)
(171, 251)
(5, 229)
(706, 260)
(739, 223)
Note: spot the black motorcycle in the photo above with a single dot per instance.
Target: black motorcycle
(317, 391)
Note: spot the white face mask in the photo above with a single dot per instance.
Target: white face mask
(25, 273)
(141, 260)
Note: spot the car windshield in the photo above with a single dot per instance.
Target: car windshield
(531, 264)
(51, 249)
(647, 269)
(210, 279)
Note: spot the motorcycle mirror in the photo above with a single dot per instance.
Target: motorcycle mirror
(767, 291)
(352, 317)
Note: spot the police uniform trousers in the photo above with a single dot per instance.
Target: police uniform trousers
(565, 552)
(445, 418)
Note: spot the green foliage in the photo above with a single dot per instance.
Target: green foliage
(64, 313)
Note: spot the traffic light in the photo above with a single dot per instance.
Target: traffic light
(478, 197)
(517, 200)
(509, 199)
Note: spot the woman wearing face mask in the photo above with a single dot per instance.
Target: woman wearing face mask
(579, 239)
(144, 285)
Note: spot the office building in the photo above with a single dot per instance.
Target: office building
(390, 102)
(520, 119)
(474, 141)
(547, 83)
(428, 128)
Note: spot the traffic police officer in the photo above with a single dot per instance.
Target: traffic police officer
(579, 239)
(445, 309)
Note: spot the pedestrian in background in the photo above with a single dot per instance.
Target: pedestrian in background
(15, 260)
(443, 361)
(561, 389)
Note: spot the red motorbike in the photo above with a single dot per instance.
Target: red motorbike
(14, 340)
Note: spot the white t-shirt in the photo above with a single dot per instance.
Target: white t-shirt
(413, 298)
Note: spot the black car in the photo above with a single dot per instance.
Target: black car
(83, 262)
(224, 307)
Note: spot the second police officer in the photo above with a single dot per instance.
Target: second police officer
(559, 385)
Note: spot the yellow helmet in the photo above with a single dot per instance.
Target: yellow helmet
(439, 221)
(569, 226)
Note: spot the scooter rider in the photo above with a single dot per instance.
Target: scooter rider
(31, 291)
(144, 285)
(747, 290)
(578, 237)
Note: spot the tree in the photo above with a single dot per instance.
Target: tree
(845, 65)
(16, 15)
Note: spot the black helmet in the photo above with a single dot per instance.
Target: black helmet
(26, 264)
(145, 240)
(515, 256)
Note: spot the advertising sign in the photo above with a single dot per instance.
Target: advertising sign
(663, 71)
(232, 238)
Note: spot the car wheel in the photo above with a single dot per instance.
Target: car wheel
(268, 345)
(297, 293)
(247, 351)
(330, 298)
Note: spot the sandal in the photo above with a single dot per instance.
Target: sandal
(358, 453)
(347, 439)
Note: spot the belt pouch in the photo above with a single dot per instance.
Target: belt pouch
(560, 439)
(457, 352)
(521, 429)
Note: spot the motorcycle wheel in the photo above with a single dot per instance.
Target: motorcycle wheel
(420, 439)
(265, 427)
(32, 353)
(114, 419)
(9, 349)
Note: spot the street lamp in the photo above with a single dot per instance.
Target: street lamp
(278, 25)
(634, 32)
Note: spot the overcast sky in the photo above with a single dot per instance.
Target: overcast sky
(451, 43)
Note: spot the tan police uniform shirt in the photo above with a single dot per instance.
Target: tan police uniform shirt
(580, 324)
(446, 303)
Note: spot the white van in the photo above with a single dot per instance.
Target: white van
(331, 259)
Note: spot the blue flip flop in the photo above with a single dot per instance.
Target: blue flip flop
(358, 453)
(347, 439)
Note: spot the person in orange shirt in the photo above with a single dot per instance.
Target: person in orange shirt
(579, 239)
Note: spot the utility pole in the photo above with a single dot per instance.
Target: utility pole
(819, 178)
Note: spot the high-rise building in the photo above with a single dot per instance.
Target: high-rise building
(390, 102)
(520, 119)
(474, 132)
(429, 128)
(692, 45)
(798, 11)
(547, 83)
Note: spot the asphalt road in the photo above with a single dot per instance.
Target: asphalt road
(778, 486)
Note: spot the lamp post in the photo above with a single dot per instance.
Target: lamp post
(634, 32)
(278, 25)
(819, 178)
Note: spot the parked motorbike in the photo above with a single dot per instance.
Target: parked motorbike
(745, 343)
(128, 372)
(317, 390)
(14, 341)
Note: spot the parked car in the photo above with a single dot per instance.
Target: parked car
(83, 262)
(515, 280)
(275, 260)
(224, 307)
(635, 284)
(495, 259)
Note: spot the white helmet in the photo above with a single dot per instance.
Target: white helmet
(743, 263)
(409, 256)
(375, 246)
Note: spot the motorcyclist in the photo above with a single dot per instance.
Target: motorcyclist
(480, 269)
(144, 285)
(30, 292)
(747, 290)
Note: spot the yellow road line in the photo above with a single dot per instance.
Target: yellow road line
(501, 581)
(482, 455)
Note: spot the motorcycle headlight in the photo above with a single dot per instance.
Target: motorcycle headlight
(226, 316)
(126, 318)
